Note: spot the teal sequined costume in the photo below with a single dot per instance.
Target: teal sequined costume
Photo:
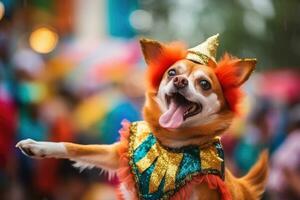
(160, 172)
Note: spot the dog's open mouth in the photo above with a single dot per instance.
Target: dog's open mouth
(179, 109)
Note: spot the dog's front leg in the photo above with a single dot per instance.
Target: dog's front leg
(85, 156)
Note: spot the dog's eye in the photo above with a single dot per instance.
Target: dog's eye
(205, 85)
(172, 72)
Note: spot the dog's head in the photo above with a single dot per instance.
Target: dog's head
(189, 94)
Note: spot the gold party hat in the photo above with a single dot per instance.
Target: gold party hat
(204, 51)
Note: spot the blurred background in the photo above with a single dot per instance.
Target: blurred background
(71, 70)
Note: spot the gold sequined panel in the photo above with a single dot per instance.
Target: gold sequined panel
(141, 133)
(210, 159)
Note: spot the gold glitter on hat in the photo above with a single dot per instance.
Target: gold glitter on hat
(204, 51)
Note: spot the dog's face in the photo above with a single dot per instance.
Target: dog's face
(189, 95)
(189, 101)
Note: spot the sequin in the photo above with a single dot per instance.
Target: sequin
(160, 171)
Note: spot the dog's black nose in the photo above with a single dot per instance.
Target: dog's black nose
(180, 82)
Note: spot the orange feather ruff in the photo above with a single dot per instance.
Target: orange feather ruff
(169, 54)
(227, 76)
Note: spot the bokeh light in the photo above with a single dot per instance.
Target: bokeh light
(43, 40)
(141, 20)
(2, 10)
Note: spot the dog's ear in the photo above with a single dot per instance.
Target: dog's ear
(233, 72)
(244, 68)
(151, 49)
(159, 57)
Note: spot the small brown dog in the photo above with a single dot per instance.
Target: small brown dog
(175, 153)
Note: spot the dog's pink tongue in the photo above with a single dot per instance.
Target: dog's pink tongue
(173, 117)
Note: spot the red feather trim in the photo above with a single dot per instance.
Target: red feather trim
(170, 54)
(124, 173)
(227, 76)
(214, 182)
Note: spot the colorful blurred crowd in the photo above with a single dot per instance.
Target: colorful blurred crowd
(73, 70)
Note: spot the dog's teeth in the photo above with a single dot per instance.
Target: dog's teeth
(192, 108)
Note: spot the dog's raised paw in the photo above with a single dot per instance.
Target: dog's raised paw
(31, 148)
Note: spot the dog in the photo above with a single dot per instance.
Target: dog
(175, 153)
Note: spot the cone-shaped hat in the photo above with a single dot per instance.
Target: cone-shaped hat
(204, 51)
